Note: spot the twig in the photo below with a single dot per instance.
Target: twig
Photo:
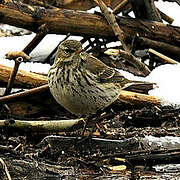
(120, 6)
(121, 36)
(41, 33)
(13, 55)
(164, 58)
(17, 147)
(143, 69)
(13, 75)
(13, 97)
(5, 169)
(113, 23)
(166, 17)
(45, 126)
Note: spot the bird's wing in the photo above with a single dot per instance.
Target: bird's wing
(103, 72)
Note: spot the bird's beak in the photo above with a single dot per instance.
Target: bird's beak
(79, 51)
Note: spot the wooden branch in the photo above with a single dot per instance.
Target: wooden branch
(41, 33)
(113, 24)
(23, 78)
(31, 17)
(5, 169)
(120, 6)
(20, 104)
(18, 59)
(20, 95)
(165, 48)
(145, 10)
(138, 99)
(13, 75)
(163, 58)
(44, 126)
(125, 96)
(30, 102)
(121, 36)
(166, 17)
(63, 21)
(128, 148)
(142, 68)
(16, 54)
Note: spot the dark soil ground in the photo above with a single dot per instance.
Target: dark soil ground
(71, 156)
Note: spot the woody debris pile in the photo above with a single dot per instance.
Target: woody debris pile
(135, 137)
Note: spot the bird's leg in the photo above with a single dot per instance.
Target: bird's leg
(84, 128)
(95, 118)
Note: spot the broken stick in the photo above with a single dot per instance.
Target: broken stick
(142, 68)
(113, 23)
(164, 58)
(44, 126)
(13, 75)
(138, 98)
(20, 56)
(122, 37)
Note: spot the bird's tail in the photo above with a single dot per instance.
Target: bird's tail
(139, 86)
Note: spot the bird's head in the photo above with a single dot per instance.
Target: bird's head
(68, 50)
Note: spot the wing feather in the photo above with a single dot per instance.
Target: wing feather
(103, 72)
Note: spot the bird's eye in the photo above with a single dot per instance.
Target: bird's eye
(69, 51)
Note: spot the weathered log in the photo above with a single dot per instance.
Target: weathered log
(165, 48)
(128, 147)
(62, 21)
(70, 4)
(23, 78)
(44, 126)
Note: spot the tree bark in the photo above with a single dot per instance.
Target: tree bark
(63, 21)
(23, 78)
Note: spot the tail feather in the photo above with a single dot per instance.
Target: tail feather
(139, 86)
